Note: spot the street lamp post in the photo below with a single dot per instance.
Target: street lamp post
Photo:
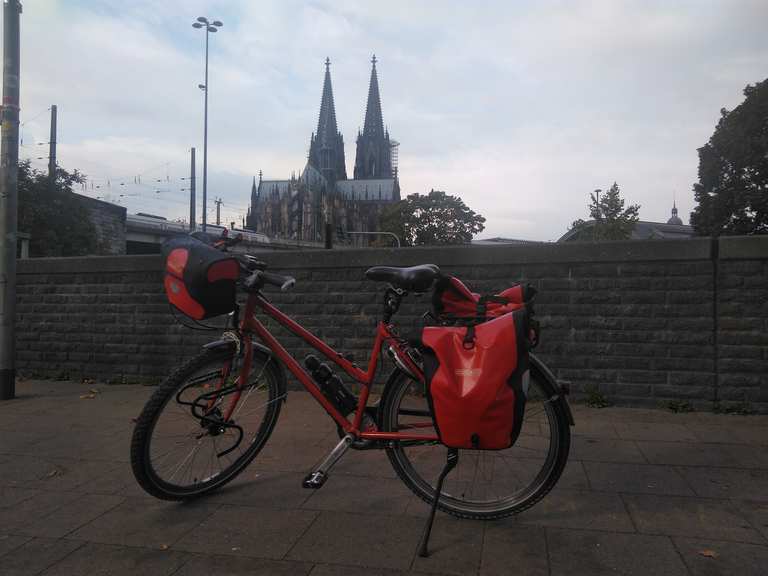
(203, 22)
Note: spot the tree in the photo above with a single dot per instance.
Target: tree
(732, 191)
(434, 218)
(59, 224)
(609, 219)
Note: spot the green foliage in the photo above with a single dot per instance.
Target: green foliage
(609, 219)
(60, 225)
(595, 398)
(679, 406)
(738, 408)
(732, 192)
(429, 219)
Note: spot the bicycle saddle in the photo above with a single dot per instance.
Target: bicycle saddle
(415, 278)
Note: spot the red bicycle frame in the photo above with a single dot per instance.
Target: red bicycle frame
(384, 335)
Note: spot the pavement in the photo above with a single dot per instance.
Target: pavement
(645, 492)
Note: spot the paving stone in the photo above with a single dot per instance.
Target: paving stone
(30, 509)
(234, 566)
(756, 513)
(340, 570)
(10, 541)
(606, 450)
(715, 558)
(73, 444)
(729, 433)
(727, 482)
(455, 547)
(360, 540)
(678, 516)
(265, 489)
(115, 478)
(511, 548)
(360, 494)
(35, 556)
(142, 522)
(654, 431)
(573, 509)
(573, 477)
(592, 553)
(12, 495)
(70, 516)
(594, 429)
(243, 531)
(636, 478)
(687, 454)
(369, 463)
(105, 560)
(70, 474)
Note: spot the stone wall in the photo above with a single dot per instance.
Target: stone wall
(109, 221)
(640, 323)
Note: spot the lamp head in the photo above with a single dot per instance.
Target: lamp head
(218, 23)
(203, 19)
(197, 25)
(212, 29)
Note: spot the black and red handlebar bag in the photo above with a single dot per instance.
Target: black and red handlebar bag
(475, 380)
(200, 281)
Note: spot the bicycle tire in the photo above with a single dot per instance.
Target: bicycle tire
(263, 366)
(424, 487)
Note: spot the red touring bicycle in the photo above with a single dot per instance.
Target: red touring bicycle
(210, 418)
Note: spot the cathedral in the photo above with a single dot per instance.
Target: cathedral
(300, 207)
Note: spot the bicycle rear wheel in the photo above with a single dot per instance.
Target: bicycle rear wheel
(184, 445)
(486, 484)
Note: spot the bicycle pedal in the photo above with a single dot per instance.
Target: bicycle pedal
(315, 480)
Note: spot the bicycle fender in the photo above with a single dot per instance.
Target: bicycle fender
(542, 371)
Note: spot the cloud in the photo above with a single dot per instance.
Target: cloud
(520, 108)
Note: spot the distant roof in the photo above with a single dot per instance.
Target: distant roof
(645, 231)
(381, 189)
(500, 240)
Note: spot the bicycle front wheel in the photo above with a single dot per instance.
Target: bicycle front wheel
(202, 427)
(486, 484)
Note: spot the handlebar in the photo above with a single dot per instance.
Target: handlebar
(259, 278)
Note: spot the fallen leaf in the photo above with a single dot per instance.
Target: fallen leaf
(235, 548)
(708, 553)
(164, 546)
(93, 391)
(52, 473)
(87, 396)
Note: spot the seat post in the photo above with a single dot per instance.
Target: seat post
(392, 299)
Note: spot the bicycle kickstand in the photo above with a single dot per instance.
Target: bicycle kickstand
(450, 464)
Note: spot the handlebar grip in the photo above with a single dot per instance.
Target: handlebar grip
(285, 283)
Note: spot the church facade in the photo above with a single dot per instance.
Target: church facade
(300, 207)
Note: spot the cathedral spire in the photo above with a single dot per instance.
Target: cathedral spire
(374, 124)
(326, 148)
(374, 153)
(326, 123)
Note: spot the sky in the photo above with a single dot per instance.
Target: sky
(520, 108)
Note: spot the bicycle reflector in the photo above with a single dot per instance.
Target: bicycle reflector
(200, 281)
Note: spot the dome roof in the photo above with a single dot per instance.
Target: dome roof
(675, 219)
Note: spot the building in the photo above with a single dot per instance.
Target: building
(299, 208)
(672, 229)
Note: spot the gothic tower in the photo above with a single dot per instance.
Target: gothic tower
(374, 152)
(326, 147)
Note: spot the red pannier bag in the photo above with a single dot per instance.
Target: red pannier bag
(453, 301)
(476, 381)
(476, 363)
(200, 281)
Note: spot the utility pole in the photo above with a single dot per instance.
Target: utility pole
(218, 211)
(192, 192)
(9, 189)
(52, 152)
